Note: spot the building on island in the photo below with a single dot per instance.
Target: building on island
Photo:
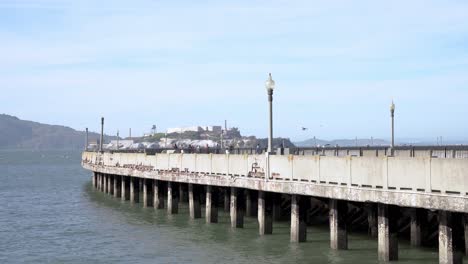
(194, 129)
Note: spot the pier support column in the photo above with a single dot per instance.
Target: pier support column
(104, 183)
(237, 204)
(101, 182)
(123, 188)
(265, 213)
(147, 193)
(134, 190)
(104, 180)
(172, 197)
(194, 201)
(94, 179)
(107, 182)
(338, 225)
(110, 187)
(388, 232)
(417, 226)
(449, 242)
(101, 179)
(211, 212)
(227, 201)
(299, 207)
(112, 184)
(117, 186)
(158, 194)
(98, 183)
(371, 209)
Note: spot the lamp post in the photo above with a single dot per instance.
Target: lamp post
(102, 134)
(117, 139)
(392, 114)
(86, 142)
(270, 86)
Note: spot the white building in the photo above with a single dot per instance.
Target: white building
(184, 129)
(194, 129)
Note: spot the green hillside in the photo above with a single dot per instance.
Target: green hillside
(20, 134)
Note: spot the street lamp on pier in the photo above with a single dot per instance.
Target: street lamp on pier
(270, 86)
(102, 135)
(87, 140)
(392, 115)
(118, 137)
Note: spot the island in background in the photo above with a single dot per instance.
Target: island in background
(21, 134)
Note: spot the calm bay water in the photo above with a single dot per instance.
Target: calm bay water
(49, 213)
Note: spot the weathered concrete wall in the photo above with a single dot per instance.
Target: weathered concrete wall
(423, 182)
(460, 152)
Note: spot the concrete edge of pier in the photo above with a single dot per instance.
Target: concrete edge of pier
(429, 201)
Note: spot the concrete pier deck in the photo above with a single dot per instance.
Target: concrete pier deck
(426, 183)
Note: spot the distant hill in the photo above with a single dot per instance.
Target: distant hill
(342, 142)
(20, 134)
(380, 142)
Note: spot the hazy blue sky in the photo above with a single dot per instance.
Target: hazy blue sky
(337, 65)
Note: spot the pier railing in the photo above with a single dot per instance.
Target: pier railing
(449, 151)
(448, 176)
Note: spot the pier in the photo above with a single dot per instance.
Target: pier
(246, 185)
